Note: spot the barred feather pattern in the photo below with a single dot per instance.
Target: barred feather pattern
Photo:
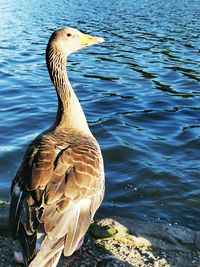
(62, 176)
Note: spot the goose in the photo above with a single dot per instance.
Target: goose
(60, 183)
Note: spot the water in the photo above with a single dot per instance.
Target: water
(140, 91)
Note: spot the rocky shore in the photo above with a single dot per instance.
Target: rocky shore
(121, 242)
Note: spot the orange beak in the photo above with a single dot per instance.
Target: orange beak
(87, 40)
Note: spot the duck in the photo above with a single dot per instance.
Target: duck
(60, 182)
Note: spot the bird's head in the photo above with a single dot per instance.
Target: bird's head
(69, 40)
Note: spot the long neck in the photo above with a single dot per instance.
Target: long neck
(69, 113)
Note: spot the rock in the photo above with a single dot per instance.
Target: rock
(123, 242)
(98, 231)
(197, 239)
(161, 235)
(139, 243)
(112, 230)
(4, 209)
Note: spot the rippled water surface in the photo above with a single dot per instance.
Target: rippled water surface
(140, 91)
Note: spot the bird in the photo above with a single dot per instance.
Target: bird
(60, 182)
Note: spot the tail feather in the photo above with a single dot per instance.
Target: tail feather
(19, 224)
(54, 260)
(28, 244)
(77, 227)
(71, 224)
(15, 211)
(49, 254)
(62, 230)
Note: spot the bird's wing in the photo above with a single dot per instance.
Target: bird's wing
(62, 187)
(77, 197)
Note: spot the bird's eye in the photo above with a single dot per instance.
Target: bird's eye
(69, 34)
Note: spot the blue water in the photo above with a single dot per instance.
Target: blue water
(140, 91)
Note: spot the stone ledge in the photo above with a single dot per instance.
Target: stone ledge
(157, 235)
(4, 208)
(160, 235)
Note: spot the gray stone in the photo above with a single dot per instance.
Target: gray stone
(158, 235)
(4, 209)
